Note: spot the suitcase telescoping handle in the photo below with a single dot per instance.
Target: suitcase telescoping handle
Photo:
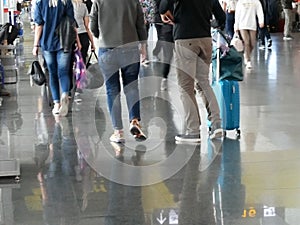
(218, 50)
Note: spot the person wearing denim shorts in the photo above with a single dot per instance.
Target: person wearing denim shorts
(193, 50)
(47, 16)
(120, 27)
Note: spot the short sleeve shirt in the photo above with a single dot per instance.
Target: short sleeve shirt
(50, 17)
(80, 11)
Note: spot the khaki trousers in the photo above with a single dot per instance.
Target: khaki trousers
(193, 58)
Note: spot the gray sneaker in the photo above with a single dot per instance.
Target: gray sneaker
(216, 131)
(164, 84)
(188, 138)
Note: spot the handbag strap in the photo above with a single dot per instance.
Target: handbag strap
(90, 57)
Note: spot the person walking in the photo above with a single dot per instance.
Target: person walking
(287, 7)
(263, 32)
(229, 7)
(121, 30)
(245, 22)
(164, 44)
(193, 51)
(83, 30)
(47, 16)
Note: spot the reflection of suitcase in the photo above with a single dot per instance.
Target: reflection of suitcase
(230, 192)
(228, 96)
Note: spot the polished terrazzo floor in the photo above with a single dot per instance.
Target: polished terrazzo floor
(71, 174)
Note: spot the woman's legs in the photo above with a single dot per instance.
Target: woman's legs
(58, 64)
(249, 38)
(85, 43)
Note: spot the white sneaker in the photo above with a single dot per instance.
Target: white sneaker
(55, 110)
(64, 101)
(187, 138)
(117, 136)
(249, 65)
(164, 84)
(287, 38)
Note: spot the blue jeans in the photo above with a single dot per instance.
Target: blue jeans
(58, 64)
(127, 61)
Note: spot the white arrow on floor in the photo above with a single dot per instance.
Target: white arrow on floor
(161, 220)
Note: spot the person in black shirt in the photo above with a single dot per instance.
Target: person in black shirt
(165, 45)
(193, 50)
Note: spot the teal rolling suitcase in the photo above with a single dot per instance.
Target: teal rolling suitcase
(228, 96)
(226, 90)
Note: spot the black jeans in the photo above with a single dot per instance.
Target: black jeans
(166, 44)
(229, 26)
(85, 43)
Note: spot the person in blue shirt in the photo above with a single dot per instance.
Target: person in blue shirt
(47, 16)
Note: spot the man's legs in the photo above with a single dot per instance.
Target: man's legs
(205, 89)
(288, 23)
(186, 62)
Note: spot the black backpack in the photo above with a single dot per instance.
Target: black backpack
(8, 32)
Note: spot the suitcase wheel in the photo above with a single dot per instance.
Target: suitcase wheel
(238, 133)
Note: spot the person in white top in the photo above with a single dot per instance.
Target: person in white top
(84, 33)
(246, 13)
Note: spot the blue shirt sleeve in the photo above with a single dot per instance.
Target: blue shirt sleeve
(38, 17)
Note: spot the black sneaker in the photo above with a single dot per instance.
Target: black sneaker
(269, 43)
(188, 138)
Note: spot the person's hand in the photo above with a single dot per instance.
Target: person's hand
(93, 48)
(78, 46)
(167, 17)
(143, 52)
(35, 50)
(261, 25)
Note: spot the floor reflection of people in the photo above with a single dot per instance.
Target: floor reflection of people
(41, 143)
(196, 200)
(164, 110)
(56, 179)
(88, 142)
(124, 202)
(230, 192)
(159, 119)
(12, 115)
(87, 177)
(213, 196)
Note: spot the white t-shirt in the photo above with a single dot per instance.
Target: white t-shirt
(230, 4)
(245, 14)
(80, 11)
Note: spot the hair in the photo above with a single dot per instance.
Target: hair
(53, 3)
